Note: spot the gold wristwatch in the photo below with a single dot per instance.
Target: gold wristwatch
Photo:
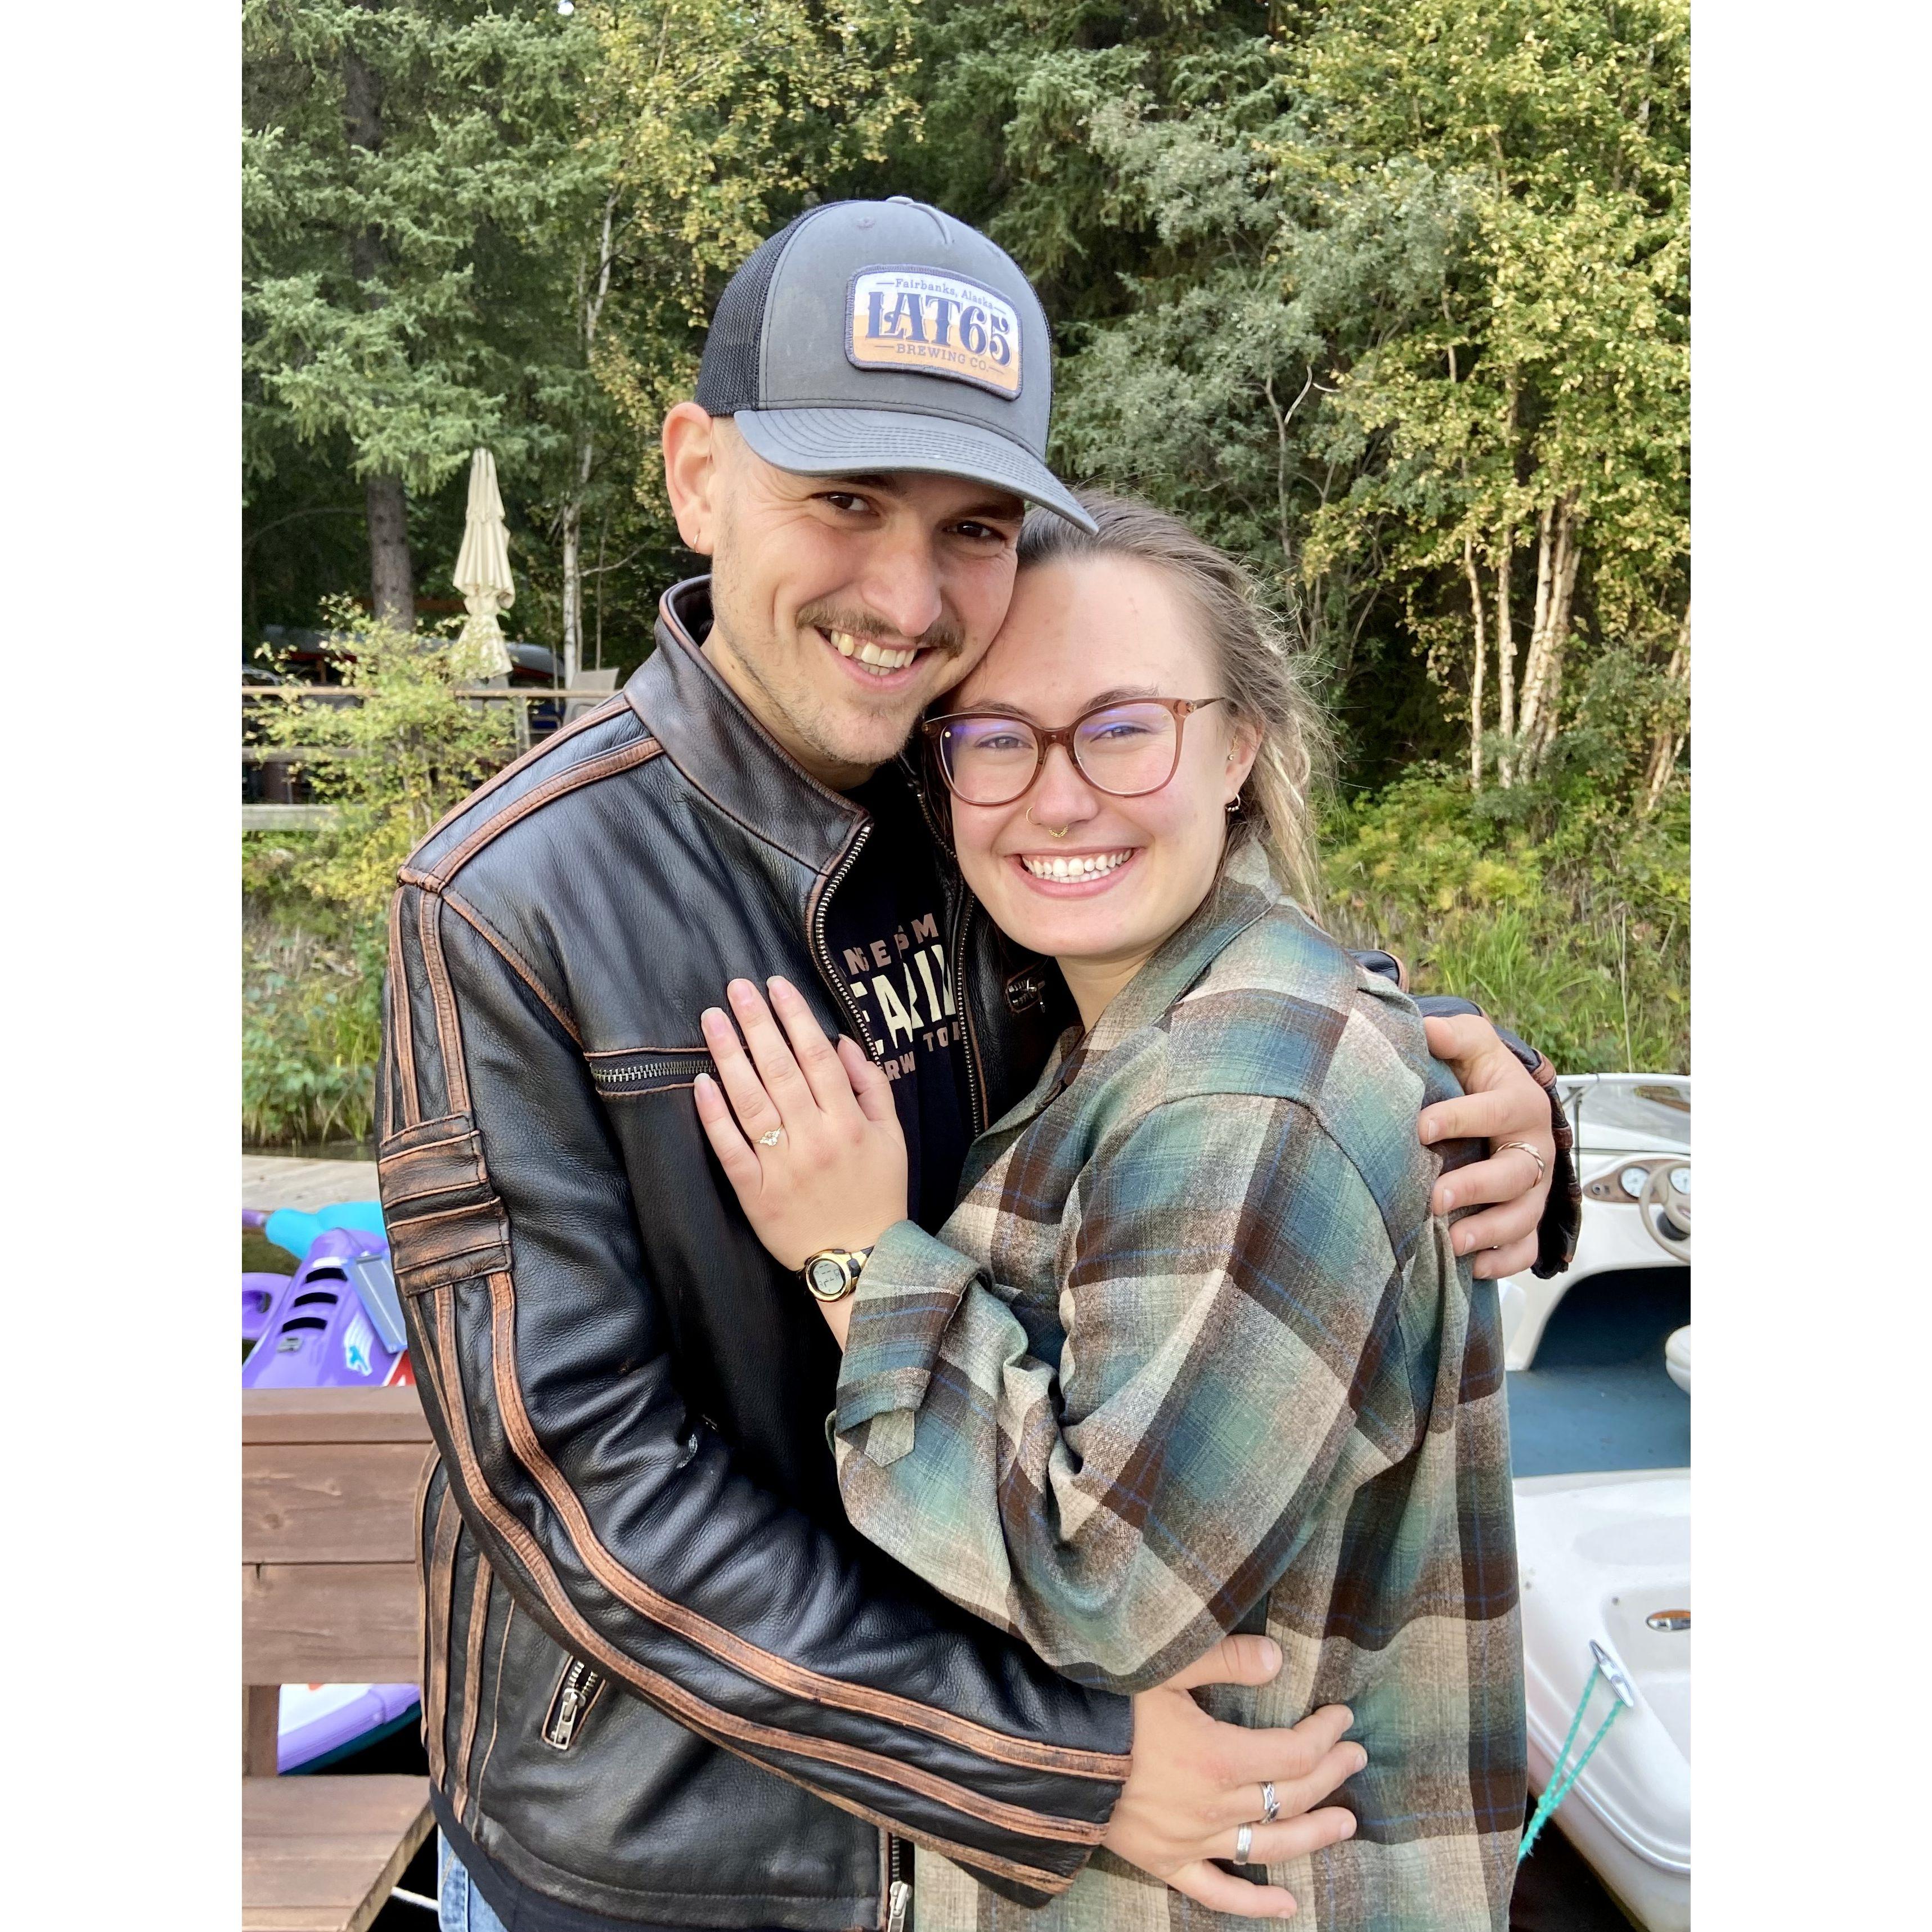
(833, 1273)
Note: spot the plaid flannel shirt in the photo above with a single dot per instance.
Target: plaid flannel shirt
(1193, 1344)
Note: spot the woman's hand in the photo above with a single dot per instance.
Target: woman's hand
(1502, 1102)
(814, 1151)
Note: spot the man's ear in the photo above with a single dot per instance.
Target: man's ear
(693, 447)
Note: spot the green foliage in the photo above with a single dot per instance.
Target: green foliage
(394, 748)
(311, 1021)
(1373, 293)
(1562, 917)
(723, 124)
(414, 297)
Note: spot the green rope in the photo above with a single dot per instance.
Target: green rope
(1558, 1788)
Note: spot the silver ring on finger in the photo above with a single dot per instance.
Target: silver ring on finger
(1244, 1839)
(772, 1138)
(1270, 1804)
(1525, 1147)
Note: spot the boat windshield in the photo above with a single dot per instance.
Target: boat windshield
(1625, 1111)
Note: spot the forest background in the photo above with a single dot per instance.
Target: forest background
(1391, 297)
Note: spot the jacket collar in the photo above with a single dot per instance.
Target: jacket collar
(722, 750)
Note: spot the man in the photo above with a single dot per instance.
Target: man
(665, 1684)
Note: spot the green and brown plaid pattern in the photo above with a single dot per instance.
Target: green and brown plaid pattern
(1192, 1340)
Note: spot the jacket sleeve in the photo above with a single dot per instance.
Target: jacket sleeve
(1122, 1499)
(1562, 1222)
(626, 1527)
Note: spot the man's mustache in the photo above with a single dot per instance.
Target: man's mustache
(945, 633)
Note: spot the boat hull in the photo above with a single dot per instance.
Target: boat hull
(1607, 1557)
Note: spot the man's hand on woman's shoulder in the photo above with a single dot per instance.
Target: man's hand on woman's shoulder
(1504, 1104)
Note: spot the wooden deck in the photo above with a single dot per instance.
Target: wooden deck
(274, 1180)
(329, 1483)
(322, 1854)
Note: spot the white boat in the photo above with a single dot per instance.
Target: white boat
(1599, 1387)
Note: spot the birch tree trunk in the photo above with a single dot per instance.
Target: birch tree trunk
(592, 289)
(573, 590)
(1476, 676)
(1505, 663)
(1669, 739)
(1557, 556)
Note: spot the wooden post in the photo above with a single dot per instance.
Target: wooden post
(261, 1719)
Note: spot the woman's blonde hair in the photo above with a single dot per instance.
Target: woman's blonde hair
(1259, 675)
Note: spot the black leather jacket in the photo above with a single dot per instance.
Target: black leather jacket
(664, 1680)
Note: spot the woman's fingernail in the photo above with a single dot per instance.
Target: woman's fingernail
(1349, 1828)
(1447, 1198)
(711, 1018)
(779, 984)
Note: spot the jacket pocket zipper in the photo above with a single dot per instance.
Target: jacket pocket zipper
(645, 1073)
(577, 1691)
(898, 1891)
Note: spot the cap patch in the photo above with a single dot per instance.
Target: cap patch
(933, 325)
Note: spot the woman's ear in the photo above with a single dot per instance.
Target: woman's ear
(1244, 744)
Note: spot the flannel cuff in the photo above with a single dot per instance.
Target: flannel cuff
(907, 1295)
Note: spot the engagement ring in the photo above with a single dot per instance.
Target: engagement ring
(772, 1138)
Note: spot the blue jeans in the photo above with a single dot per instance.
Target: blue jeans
(460, 1906)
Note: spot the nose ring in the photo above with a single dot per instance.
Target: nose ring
(1047, 828)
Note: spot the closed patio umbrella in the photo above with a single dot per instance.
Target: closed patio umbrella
(483, 576)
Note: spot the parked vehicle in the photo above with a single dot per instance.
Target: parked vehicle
(1599, 1425)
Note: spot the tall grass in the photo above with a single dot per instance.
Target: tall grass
(1566, 920)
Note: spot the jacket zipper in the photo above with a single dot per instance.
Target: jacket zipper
(651, 1067)
(577, 1691)
(822, 952)
(898, 1889)
(975, 1105)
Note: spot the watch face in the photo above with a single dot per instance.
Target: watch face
(826, 1279)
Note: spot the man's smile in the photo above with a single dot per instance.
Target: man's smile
(877, 663)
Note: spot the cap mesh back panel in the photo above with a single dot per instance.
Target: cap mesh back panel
(727, 378)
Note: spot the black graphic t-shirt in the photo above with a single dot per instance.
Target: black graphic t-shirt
(885, 930)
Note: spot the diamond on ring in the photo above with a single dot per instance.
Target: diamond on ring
(772, 1138)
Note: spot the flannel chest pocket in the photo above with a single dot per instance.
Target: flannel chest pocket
(443, 1220)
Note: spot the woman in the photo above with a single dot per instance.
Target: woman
(1192, 1353)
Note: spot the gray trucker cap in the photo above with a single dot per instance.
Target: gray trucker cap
(885, 335)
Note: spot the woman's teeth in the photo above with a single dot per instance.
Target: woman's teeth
(1084, 865)
(875, 658)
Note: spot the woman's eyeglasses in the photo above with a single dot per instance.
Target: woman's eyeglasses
(1126, 748)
